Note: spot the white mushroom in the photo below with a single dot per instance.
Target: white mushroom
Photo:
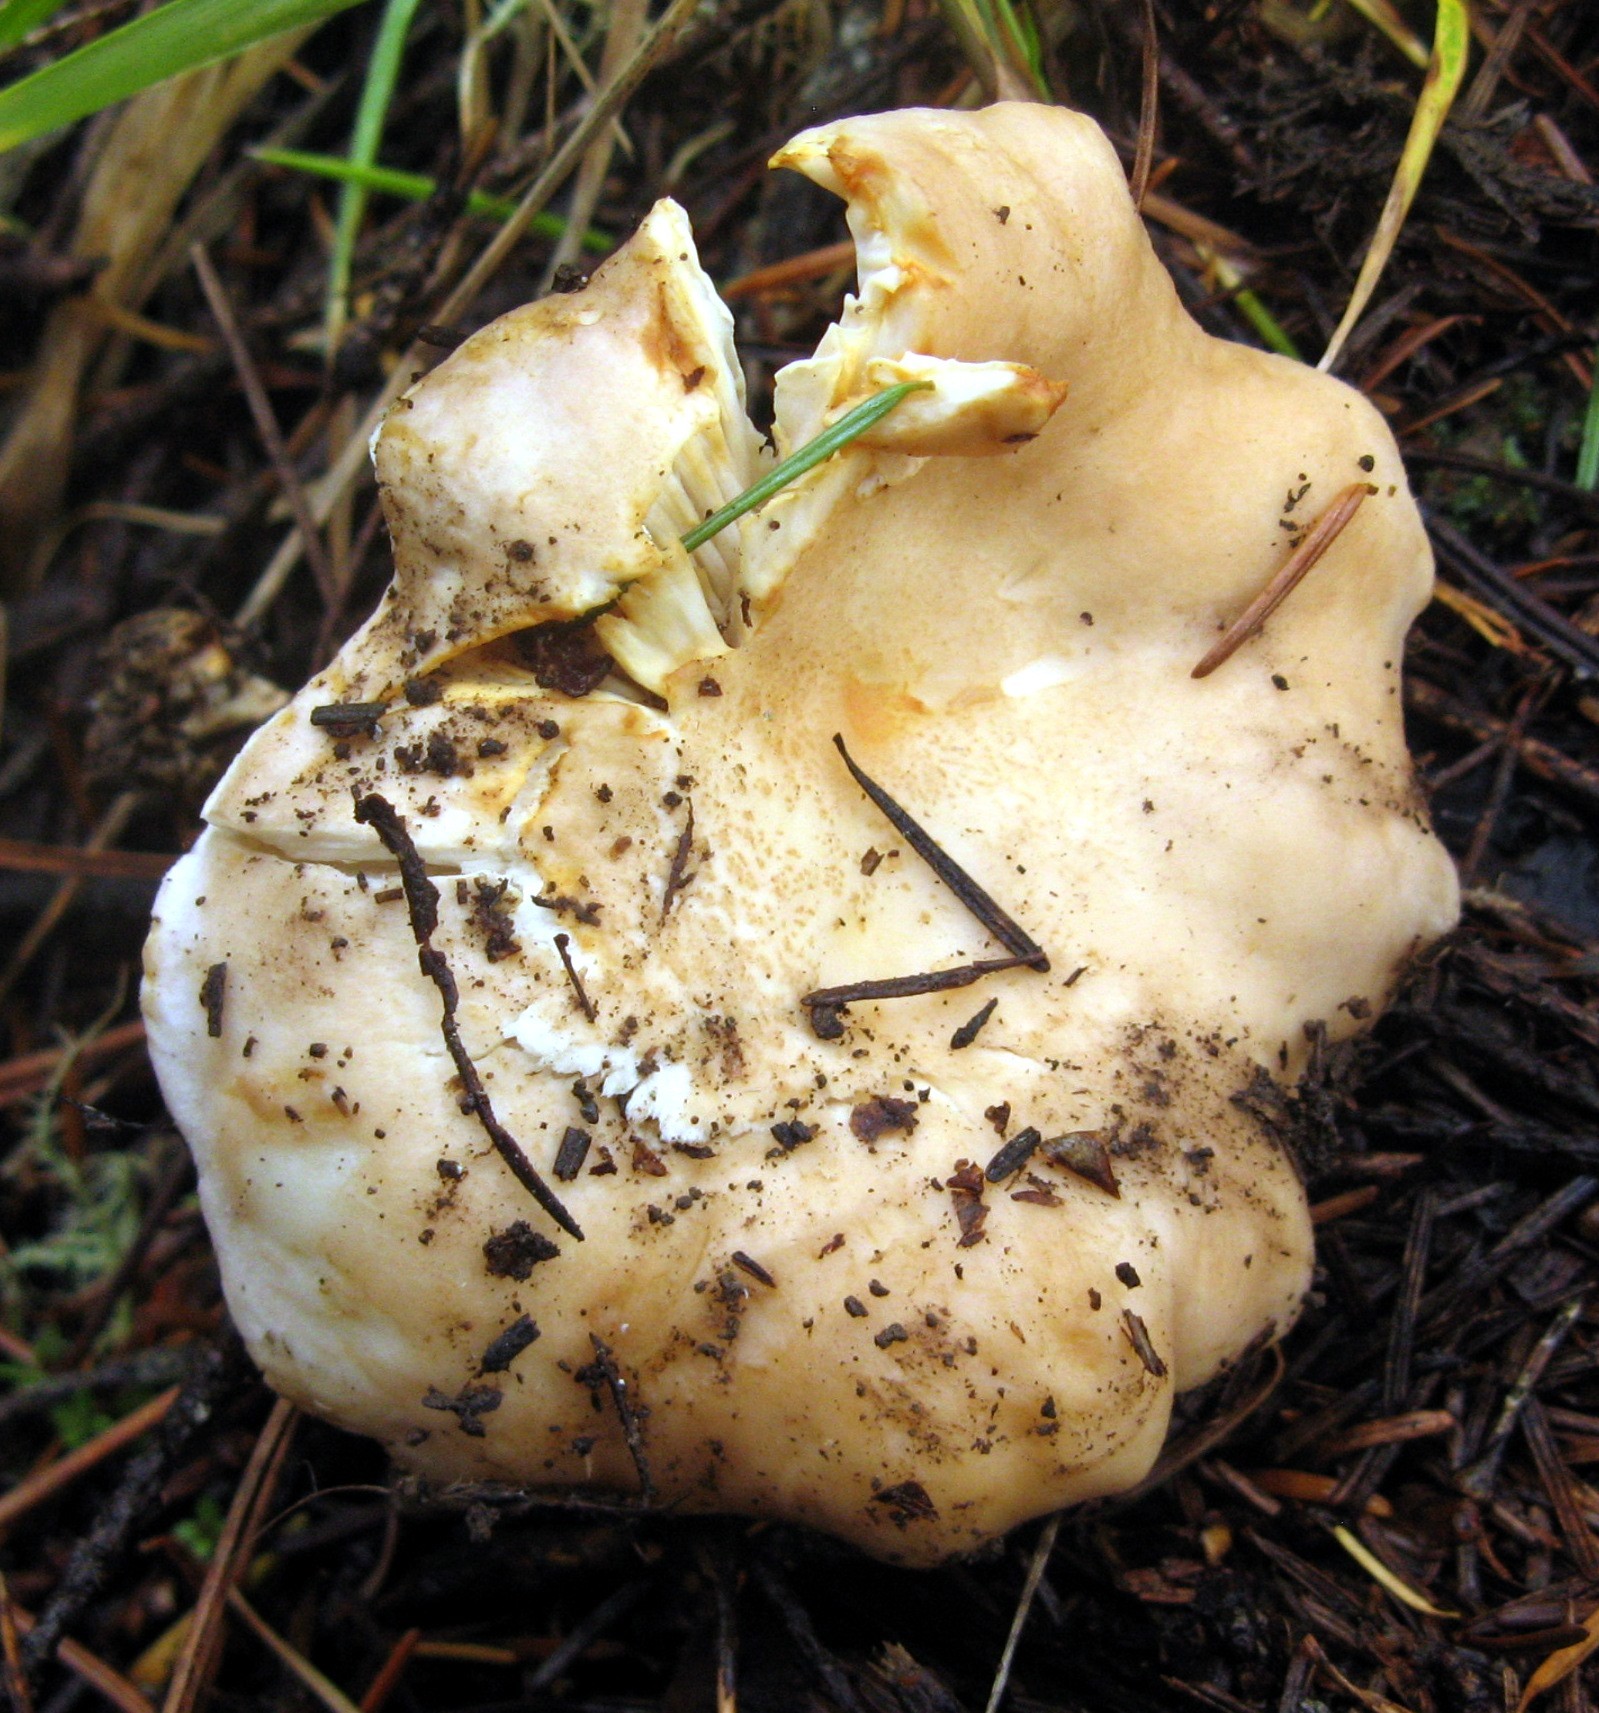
(848, 1263)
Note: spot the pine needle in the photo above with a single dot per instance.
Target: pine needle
(849, 427)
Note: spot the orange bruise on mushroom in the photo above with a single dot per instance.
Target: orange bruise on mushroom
(822, 1308)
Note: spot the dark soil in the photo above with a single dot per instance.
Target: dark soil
(1439, 1401)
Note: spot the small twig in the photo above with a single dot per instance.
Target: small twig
(1579, 499)
(562, 943)
(677, 876)
(584, 1635)
(972, 1027)
(1543, 760)
(27, 1073)
(1561, 1488)
(47, 1482)
(266, 422)
(422, 903)
(605, 1362)
(807, 1644)
(389, 1673)
(1494, 584)
(723, 1583)
(99, 1550)
(1318, 538)
(1478, 1480)
(252, 1499)
(1001, 925)
(1402, 1329)
(23, 856)
(344, 578)
(156, 1367)
(1179, 1453)
(1035, 1575)
(907, 986)
(322, 1687)
(91, 1669)
(1388, 1430)
(1504, 778)
(792, 270)
(18, 1696)
(108, 829)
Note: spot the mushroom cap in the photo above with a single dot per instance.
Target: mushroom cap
(795, 1273)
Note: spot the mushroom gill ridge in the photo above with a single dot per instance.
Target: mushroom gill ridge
(921, 1097)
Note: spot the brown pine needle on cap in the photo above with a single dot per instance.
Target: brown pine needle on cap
(1321, 535)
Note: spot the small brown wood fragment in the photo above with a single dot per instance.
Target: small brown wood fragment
(508, 1345)
(571, 1154)
(1013, 1156)
(213, 997)
(1138, 1337)
(1083, 1153)
(1339, 1206)
(646, 1160)
(348, 719)
(968, 1031)
(748, 1264)
(605, 1369)
(882, 1113)
(677, 876)
(965, 1186)
(906, 1501)
(585, 1004)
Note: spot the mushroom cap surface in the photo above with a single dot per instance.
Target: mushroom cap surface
(798, 1292)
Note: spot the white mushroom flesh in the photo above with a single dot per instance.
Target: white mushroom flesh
(790, 1252)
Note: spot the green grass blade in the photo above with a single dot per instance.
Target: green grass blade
(382, 73)
(174, 38)
(995, 43)
(417, 187)
(1451, 44)
(1014, 27)
(1273, 334)
(850, 426)
(1588, 451)
(20, 18)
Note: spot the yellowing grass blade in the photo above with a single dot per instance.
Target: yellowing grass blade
(1385, 15)
(1451, 43)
